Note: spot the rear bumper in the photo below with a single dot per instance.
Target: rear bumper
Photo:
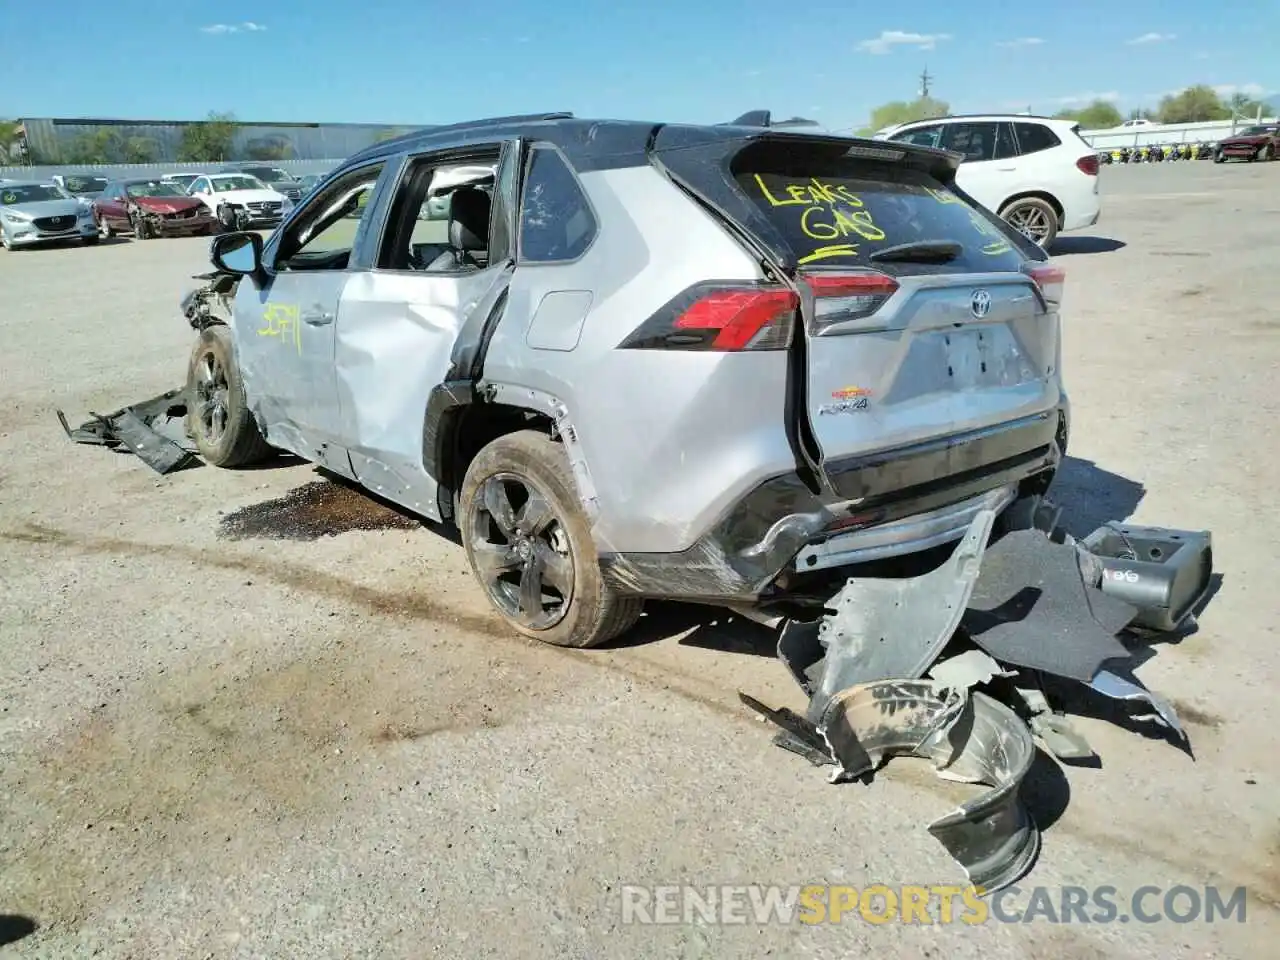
(892, 503)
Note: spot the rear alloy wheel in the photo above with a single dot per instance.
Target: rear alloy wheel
(530, 545)
(1034, 218)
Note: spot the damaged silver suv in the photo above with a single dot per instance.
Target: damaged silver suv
(725, 364)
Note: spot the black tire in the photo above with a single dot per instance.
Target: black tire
(227, 219)
(140, 229)
(1041, 211)
(1219, 158)
(593, 612)
(218, 418)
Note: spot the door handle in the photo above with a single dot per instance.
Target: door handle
(1006, 169)
(317, 317)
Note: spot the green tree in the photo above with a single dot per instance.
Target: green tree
(101, 146)
(9, 141)
(208, 140)
(140, 150)
(269, 148)
(1099, 115)
(1245, 106)
(904, 111)
(1193, 105)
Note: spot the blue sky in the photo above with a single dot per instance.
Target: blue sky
(423, 61)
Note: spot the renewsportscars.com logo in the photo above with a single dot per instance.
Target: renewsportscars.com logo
(811, 904)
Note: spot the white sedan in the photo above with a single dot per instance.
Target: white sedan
(239, 201)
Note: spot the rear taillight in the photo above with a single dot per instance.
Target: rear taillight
(720, 316)
(1050, 280)
(1088, 164)
(841, 297)
(745, 316)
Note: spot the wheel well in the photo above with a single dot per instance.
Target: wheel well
(472, 428)
(1039, 195)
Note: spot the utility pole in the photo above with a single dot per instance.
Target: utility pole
(924, 83)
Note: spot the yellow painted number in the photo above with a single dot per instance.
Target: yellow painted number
(282, 320)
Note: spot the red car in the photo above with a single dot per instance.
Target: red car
(1260, 142)
(150, 208)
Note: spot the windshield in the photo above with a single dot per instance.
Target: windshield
(834, 211)
(154, 188)
(29, 193)
(79, 185)
(243, 182)
(183, 180)
(1254, 131)
(270, 174)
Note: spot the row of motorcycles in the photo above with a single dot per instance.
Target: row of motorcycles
(1159, 153)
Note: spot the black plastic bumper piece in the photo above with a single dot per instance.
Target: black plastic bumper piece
(749, 547)
(1164, 573)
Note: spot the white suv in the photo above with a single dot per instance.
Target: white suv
(1035, 172)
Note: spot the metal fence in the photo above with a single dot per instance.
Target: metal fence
(125, 170)
(1160, 133)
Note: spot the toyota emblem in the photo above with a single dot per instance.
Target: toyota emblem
(980, 304)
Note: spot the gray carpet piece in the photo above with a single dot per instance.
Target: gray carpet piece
(1031, 608)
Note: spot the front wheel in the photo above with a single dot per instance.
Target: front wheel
(227, 219)
(1267, 153)
(141, 230)
(530, 546)
(218, 417)
(1034, 218)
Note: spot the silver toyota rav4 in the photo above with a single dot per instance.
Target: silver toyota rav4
(727, 364)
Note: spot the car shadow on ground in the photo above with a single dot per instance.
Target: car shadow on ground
(15, 927)
(1091, 496)
(704, 626)
(1069, 246)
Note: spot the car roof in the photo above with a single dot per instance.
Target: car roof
(595, 144)
(992, 117)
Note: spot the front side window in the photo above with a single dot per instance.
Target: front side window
(920, 136)
(556, 221)
(323, 235)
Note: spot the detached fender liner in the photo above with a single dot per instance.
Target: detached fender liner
(755, 540)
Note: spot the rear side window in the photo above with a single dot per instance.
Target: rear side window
(556, 222)
(834, 211)
(1034, 137)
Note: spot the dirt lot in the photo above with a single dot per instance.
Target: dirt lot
(224, 734)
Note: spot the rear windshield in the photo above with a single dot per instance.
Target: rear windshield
(836, 211)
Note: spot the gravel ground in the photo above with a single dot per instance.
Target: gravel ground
(225, 733)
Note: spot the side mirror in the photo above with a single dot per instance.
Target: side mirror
(237, 253)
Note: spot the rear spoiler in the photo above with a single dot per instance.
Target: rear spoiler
(763, 118)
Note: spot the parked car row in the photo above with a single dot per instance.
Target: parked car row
(1258, 142)
(91, 206)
